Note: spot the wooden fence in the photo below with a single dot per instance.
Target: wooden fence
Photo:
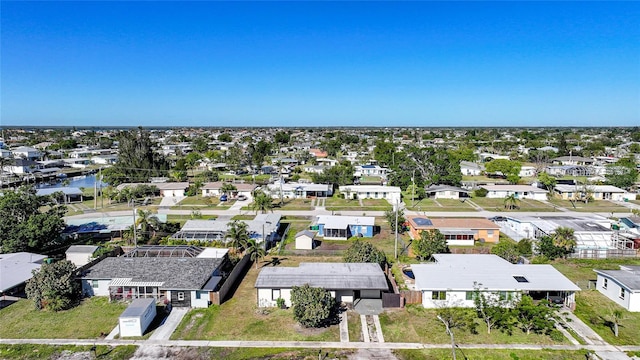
(411, 297)
(220, 296)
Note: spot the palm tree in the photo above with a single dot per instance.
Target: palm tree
(511, 202)
(616, 317)
(261, 202)
(148, 223)
(255, 251)
(565, 239)
(238, 233)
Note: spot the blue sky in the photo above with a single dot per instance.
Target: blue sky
(320, 63)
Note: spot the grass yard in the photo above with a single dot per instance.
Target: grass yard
(338, 204)
(92, 318)
(355, 326)
(293, 204)
(417, 324)
(199, 200)
(602, 206)
(295, 226)
(438, 205)
(39, 351)
(529, 205)
(183, 218)
(240, 319)
(491, 354)
(592, 307)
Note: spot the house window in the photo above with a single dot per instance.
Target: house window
(502, 295)
(181, 296)
(275, 294)
(605, 283)
(94, 284)
(438, 295)
(201, 294)
(489, 232)
(469, 295)
(622, 293)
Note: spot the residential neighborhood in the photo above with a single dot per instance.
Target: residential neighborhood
(378, 233)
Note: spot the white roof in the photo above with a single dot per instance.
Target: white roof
(16, 268)
(463, 271)
(371, 188)
(595, 188)
(299, 186)
(341, 222)
(82, 249)
(214, 253)
(514, 188)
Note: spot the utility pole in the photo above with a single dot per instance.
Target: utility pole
(395, 248)
(413, 188)
(101, 196)
(135, 234)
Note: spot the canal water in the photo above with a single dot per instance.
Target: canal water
(85, 181)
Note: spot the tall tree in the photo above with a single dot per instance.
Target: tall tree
(508, 168)
(623, 173)
(255, 250)
(430, 242)
(261, 202)
(29, 222)
(238, 234)
(511, 202)
(453, 318)
(137, 160)
(364, 252)
(313, 307)
(564, 239)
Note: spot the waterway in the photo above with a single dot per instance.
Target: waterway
(85, 181)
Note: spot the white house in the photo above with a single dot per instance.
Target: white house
(370, 170)
(27, 152)
(445, 192)
(305, 240)
(597, 192)
(16, 269)
(347, 282)
(215, 189)
(527, 171)
(453, 279)
(21, 166)
(390, 193)
(520, 191)
(469, 168)
(621, 286)
(81, 255)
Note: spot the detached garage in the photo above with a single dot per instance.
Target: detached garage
(135, 320)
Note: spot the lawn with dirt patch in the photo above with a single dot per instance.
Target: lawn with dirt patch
(491, 354)
(417, 324)
(91, 319)
(40, 351)
(340, 204)
(438, 205)
(601, 206)
(492, 204)
(241, 319)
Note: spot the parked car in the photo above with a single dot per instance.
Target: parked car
(223, 197)
(241, 198)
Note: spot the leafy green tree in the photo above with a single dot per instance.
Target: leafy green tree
(258, 151)
(54, 286)
(454, 318)
(341, 174)
(537, 318)
(238, 234)
(547, 180)
(525, 247)
(29, 222)
(491, 307)
(255, 251)
(430, 242)
(282, 137)
(623, 174)
(313, 307)
(547, 248)
(228, 188)
(385, 152)
(148, 224)
(137, 160)
(225, 137)
(507, 250)
(200, 144)
(433, 165)
(364, 252)
(390, 215)
(508, 168)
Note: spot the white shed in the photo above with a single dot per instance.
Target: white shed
(137, 317)
(81, 255)
(304, 240)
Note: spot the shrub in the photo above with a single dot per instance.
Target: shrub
(481, 192)
(313, 307)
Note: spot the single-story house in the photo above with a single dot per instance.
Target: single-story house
(215, 189)
(167, 189)
(105, 226)
(597, 192)
(572, 160)
(182, 281)
(390, 193)
(370, 170)
(622, 286)
(347, 282)
(570, 170)
(305, 240)
(262, 227)
(104, 159)
(457, 231)
(445, 192)
(343, 227)
(453, 278)
(71, 194)
(81, 255)
(469, 168)
(527, 171)
(520, 191)
(21, 166)
(16, 269)
(26, 152)
(299, 190)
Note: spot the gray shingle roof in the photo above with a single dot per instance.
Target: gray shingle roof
(629, 279)
(175, 273)
(330, 276)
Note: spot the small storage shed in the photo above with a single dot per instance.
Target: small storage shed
(137, 317)
(304, 240)
(81, 255)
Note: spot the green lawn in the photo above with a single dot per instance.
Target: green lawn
(492, 204)
(492, 354)
(40, 351)
(592, 307)
(355, 326)
(437, 205)
(240, 319)
(592, 206)
(206, 201)
(183, 218)
(93, 317)
(417, 324)
(337, 204)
